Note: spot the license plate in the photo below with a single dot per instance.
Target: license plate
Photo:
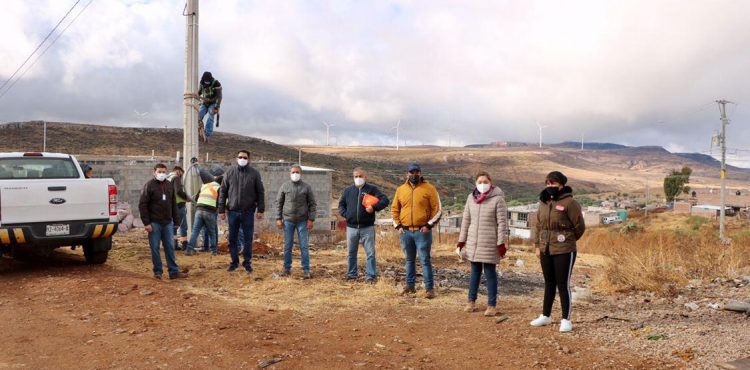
(58, 229)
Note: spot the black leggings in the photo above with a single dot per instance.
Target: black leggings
(557, 270)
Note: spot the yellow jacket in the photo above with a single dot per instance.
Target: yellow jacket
(416, 206)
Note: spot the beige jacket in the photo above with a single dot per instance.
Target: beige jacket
(484, 227)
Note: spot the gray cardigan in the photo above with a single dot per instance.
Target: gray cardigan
(295, 202)
(483, 227)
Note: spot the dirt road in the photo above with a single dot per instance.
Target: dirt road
(62, 314)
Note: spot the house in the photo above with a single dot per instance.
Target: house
(521, 219)
(711, 211)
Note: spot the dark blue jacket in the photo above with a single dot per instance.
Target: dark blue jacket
(351, 208)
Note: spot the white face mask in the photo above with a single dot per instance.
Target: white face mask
(160, 176)
(358, 181)
(242, 162)
(483, 188)
(296, 176)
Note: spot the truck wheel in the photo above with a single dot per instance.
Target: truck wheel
(96, 251)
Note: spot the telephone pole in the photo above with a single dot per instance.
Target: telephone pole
(190, 97)
(723, 142)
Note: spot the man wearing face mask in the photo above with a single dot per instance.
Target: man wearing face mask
(559, 224)
(416, 210)
(158, 208)
(241, 195)
(358, 205)
(295, 212)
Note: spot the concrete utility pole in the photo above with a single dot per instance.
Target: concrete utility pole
(190, 96)
(723, 142)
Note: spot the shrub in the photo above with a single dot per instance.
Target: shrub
(696, 222)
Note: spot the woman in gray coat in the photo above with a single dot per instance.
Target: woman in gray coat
(482, 238)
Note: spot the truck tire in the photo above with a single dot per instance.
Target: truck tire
(96, 251)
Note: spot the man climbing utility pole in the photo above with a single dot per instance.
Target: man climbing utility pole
(190, 96)
(210, 95)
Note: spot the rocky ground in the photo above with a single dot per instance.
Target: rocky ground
(58, 313)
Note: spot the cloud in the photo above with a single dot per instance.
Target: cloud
(637, 72)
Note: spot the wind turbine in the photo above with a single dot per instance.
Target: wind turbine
(540, 133)
(328, 132)
(398, 124)
(140, 115)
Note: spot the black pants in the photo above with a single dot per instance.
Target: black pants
(557, 270)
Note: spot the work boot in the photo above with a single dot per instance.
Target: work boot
(157, 276)
(178, 275)
(470, 307)
(430, 294)
(286, 273)
(232, 268)
(490, 311)
(408, 290)
(307, 275)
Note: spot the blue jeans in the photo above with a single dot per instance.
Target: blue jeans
(246, 221)
(366, 236)
(182, 212)
(490, 275)
(210, 109)
(301, 229)
(207, 221)
(415, 243)
(205, 246)
(163, 234)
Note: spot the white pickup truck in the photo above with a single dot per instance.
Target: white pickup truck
(47, 203)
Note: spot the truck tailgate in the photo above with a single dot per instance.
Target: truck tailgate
(23, 201)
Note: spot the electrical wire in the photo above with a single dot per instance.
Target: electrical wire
(40, 45)
(40, 55)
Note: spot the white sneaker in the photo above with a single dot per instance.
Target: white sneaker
(565, 326)
(541, 321)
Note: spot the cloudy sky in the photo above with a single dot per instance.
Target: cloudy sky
(635, 72)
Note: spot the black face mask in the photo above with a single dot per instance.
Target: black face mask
(552, 191)
(414, 179)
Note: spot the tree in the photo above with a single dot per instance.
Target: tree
(674, 183)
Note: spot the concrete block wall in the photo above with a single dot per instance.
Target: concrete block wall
(276, 173)
(131, 175)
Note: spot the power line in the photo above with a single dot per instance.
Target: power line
(40, 55)
(40, 44)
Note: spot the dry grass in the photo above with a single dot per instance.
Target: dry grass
(660, 258)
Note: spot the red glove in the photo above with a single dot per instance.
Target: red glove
(502, 250)
(460, 245)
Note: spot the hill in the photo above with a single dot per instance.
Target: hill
(518, 170)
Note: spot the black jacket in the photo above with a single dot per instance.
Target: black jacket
(351, 208)
(179, 190)
(158, 203)
(242, 190)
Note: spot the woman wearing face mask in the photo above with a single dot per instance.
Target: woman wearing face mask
(482, 238)
(559, 225)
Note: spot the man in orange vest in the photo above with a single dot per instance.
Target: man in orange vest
(205, 213)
